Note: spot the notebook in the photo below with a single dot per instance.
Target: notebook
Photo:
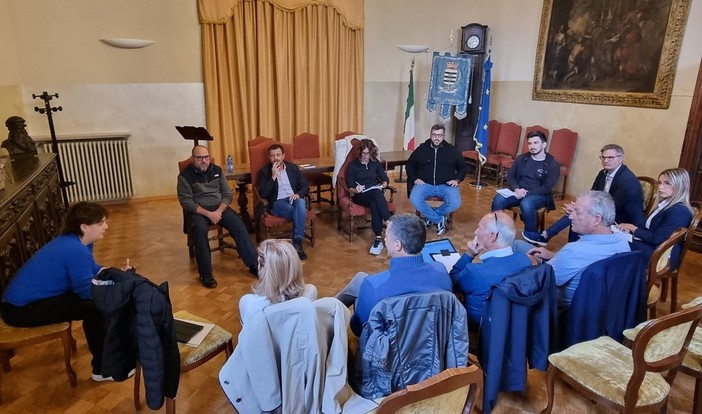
(186, 330)
(441, 251)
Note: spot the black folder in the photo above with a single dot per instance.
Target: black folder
(186, 330)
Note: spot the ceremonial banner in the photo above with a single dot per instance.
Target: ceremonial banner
(449, 85)
(481, 133)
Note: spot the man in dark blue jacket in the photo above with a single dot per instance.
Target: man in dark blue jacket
(434, 170)
(616, 179)
(205, 196)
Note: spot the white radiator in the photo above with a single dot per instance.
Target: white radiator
(99, 167)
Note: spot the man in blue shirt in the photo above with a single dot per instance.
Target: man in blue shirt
(404, 238)
(592, 217)
(492, 246)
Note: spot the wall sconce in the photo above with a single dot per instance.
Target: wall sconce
(413, 48)
(128, 43)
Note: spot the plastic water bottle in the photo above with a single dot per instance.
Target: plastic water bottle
(230, 164)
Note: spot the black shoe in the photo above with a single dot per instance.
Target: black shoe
(253, 269)
(208, 281)
(297, 244)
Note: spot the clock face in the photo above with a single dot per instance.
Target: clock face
(473, 41)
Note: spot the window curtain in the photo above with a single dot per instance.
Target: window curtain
(278, 68)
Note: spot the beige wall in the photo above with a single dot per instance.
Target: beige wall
(652, 138)
(54, 46)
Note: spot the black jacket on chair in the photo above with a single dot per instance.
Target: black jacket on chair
(140, 326)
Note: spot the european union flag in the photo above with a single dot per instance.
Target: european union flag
(481, 133)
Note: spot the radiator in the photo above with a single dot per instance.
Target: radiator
(99, 168)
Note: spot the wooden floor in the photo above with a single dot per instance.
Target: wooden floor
(149, 234)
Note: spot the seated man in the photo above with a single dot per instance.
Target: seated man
(493, 245)
(283, 185)
(435, 168)
(532, 178)
(591, 218)
(404, 238)
(205, 196)
(616, 179)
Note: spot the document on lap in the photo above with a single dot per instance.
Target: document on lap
(375, 187)
(506, 192)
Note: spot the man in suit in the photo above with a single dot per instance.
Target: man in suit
(616, 179)
(492, 246)
(283, 185)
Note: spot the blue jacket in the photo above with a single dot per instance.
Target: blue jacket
(611, 297)
(662, 226)
(519, 325)
(627, 194)
(408, 339)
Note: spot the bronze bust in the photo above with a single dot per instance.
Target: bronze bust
(18, 142)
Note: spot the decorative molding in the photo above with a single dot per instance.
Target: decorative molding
(128, 43)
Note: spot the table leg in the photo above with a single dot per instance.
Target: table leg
(243, 202)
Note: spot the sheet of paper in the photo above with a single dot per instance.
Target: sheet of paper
(628, 237)
(375, 187)
(200, 336)
(505, 192)
(447, 261)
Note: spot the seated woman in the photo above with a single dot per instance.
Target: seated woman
(366, 180)
(673, 211)
(55, 283)
(279, 279)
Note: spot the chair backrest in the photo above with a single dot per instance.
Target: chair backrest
(494, 127)
(610, 297)
(342, 190)
(306, 145)
(697, 207)
(342, 135)
(648, 186)
(451, 391)
(660, 346)
(258, 157)
(562, 146)
(508, 142)
(525, 142)
(659, 264)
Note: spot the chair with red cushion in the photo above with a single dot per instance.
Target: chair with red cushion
(342, 135)
(358, 215)
(507, 145)
(267, 224)
(562, 147)
(306, 145)
(493, 136)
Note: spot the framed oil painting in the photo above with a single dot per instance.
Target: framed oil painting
(609, 52)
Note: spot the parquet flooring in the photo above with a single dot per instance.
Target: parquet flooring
(148, 232)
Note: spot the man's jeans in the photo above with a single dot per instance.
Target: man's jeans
(528, 205)
(560, 225)
(297, 212)
(450, 195)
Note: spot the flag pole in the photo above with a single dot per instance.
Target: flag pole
(480, 136)
(400, 179)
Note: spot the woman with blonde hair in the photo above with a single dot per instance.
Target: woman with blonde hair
(673, 211)
(279, 278)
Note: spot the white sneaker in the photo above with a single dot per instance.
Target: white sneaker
(100, 378)
(441, 227)
(376, 247)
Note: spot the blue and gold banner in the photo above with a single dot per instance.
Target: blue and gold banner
(449, 85)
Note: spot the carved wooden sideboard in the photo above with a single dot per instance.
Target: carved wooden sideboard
(31, 211)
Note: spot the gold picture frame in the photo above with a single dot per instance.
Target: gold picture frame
(604, 52)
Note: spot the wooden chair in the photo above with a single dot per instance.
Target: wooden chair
(506, 164)
(11, 338)
(342, 135)
(218, 340)
(451, 391)
(562, 147)
(267, 224)
(358, 215)
(494, 127)
(507, 146)
(222, 243)
(540, 216)
(627, 380)
(306, 145)
(673, 276)
(692, 364)
(648, 186)
(659, 269)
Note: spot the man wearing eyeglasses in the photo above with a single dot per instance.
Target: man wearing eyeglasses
(205, 196)
(616, 179)
(434, 170)
(488, 259)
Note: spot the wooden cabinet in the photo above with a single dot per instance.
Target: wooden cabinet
(31, 211)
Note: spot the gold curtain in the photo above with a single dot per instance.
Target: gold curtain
(278, 68)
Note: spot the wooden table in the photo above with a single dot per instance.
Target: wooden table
(242, 175)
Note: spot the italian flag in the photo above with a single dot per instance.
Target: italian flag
(408, 142)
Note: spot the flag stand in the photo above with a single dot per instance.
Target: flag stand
(477, 184)
(481, 133)
(409, 120)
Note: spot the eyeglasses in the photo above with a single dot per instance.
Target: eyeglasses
(497, 233)
(437, 135)
(201, 157)
(608, 158)
(365, 153)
